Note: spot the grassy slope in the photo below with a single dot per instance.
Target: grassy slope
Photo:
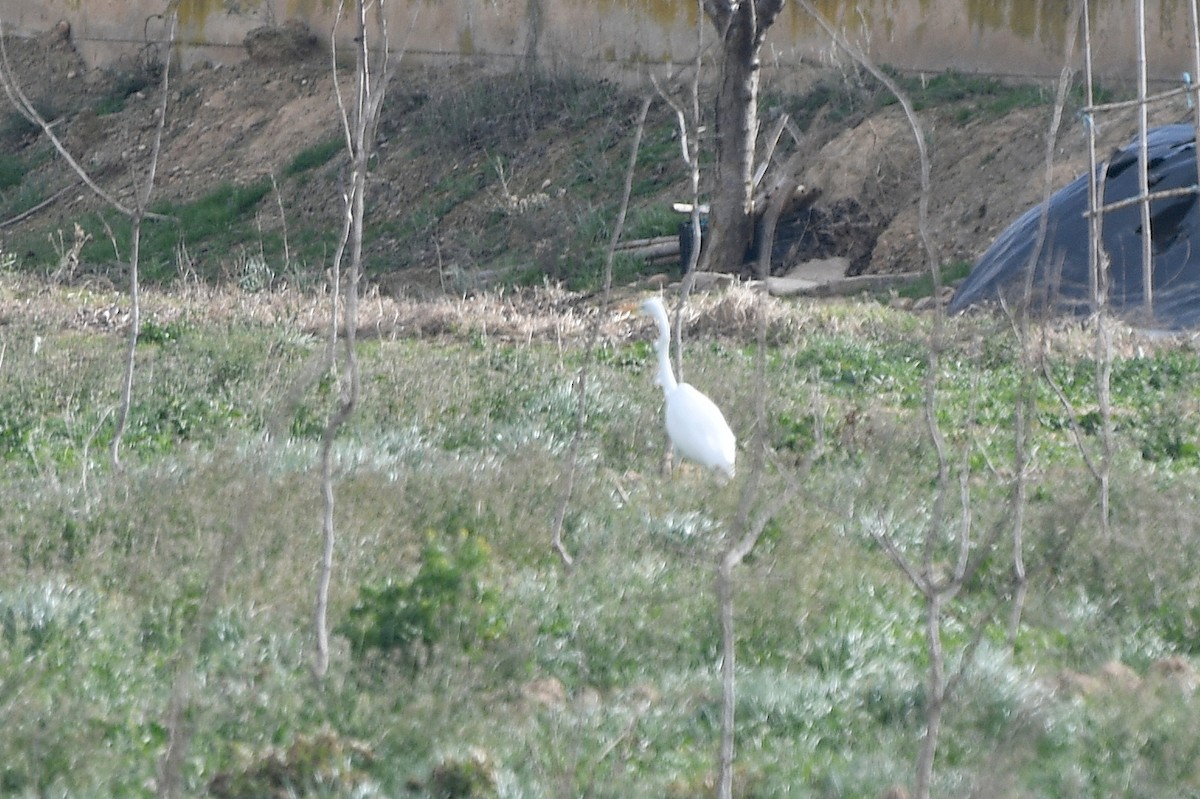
(103, 572)
(510, 178)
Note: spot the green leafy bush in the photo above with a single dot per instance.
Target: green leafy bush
(446, 601)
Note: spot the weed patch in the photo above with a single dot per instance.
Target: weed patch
(317, 155)
(446, 602)
(219, 222)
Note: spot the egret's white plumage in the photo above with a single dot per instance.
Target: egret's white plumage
(695, 424)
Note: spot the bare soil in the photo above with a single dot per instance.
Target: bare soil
(237, 124)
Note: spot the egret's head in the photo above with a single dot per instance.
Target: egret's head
(652, 307)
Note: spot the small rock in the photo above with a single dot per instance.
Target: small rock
(789, 286)
(707, 281)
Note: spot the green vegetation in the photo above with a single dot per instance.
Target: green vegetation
(12, 171)
(468, 662)
(962, 96)
(15, 129)
(447, 598)
(923, 285)
(220, 223)
(317, 155)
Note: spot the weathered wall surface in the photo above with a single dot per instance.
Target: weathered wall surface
(1007, 37)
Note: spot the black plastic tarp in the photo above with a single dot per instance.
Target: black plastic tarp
(1061, 280)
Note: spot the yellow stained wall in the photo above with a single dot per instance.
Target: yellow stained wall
(1017, 37)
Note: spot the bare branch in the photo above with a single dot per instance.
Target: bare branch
(745, 535)
(689, 146)
(556, 541)
(938, 591)
(27, 109)
(903, 563)
(31, 211)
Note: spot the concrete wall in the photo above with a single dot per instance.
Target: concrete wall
(1006, 37)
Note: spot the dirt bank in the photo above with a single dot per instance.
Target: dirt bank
(243, 124)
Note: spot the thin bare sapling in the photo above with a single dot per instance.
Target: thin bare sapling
(359, 121)
(568, 485)
(136, 213)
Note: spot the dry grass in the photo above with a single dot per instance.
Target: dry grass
(544, 314)
(548, 313)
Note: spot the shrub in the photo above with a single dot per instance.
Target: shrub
(445, 601)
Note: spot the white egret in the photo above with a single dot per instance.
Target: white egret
(695, 424)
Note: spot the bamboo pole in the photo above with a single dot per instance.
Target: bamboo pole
(1144, 169)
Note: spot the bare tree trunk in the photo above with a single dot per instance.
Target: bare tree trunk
(745, 533)
(689, 127)
(135, 249)
(935, 590)
(742, 27)
(935, 700)
(359, 125)
(135, 323)
(728, 678)
(731, 218)
(1021, 420)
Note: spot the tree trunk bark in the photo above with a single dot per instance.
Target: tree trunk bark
(742, 28)
(934, 701)
(731, 219)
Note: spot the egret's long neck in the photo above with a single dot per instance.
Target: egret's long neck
(666, 375)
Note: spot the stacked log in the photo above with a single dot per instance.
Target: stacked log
(658, 250)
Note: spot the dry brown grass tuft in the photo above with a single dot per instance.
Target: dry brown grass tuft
(548, 313)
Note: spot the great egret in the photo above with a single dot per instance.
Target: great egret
(695, 424)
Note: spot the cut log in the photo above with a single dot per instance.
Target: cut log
(634, 244)
(664, 249)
